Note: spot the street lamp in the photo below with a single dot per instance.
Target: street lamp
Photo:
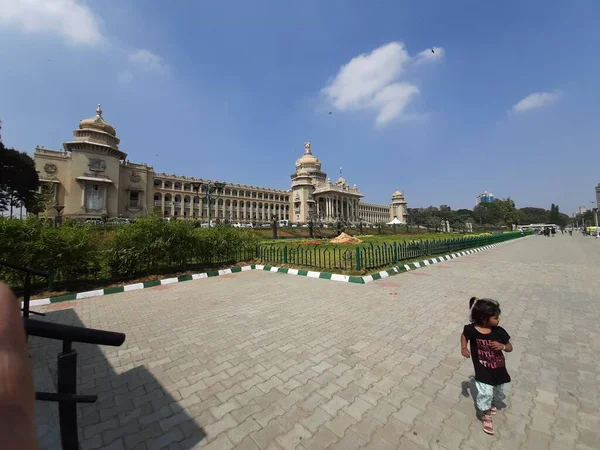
(58, 219)
(596, 219)
(213, 192)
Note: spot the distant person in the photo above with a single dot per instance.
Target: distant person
(570, 231)
(488, 341)
(553, 231)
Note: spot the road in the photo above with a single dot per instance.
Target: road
(260, 360)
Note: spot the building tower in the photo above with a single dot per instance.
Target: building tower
(304, 180)
(95, 152)
(398, 207)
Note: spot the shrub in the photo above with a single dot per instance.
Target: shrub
(148, 246)
(66, 252)
(152, 245)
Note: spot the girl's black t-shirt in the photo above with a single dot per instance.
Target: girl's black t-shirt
(490, 366)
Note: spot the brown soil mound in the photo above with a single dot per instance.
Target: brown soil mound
(345, 239)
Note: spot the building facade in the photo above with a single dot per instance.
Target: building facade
(486, 197)
(91, 177)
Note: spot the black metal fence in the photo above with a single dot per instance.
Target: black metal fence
(371, 256)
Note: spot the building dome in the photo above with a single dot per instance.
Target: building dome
(397, 194)
(97, 123)
(308, 159)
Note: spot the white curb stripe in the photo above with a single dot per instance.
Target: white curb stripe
(384, 274)
(169, 281)
(274, 269)
(88, 294)
(133, 287)
(198, 276)
(293, 271)
(246, 268)
(339, 277)
(312, 274)
(38, 302)
(407, 267)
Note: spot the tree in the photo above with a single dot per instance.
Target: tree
(529, 215)
(464, 213)
(554, 216)
(19, 181)
(488, 213)
(45, 200)
(508, 211)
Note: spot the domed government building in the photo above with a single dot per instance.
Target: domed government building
(91, 177)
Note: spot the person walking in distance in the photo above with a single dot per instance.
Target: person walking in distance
(488, 342)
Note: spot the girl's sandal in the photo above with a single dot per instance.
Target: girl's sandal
(493, 410)
(488, 425)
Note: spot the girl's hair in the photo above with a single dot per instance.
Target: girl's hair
(482, 309)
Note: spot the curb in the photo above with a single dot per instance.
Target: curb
(136, 286)
(364, 279)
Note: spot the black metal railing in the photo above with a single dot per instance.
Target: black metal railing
(67, 396)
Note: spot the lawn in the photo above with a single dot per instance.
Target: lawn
(367, 239)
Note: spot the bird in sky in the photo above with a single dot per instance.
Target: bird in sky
(432, 51)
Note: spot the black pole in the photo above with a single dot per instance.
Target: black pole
(26, 294)
(274, 225)
(67, 411)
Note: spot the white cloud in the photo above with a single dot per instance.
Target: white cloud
(536, 100)
(125, 76)
(142, 60)
(70, 19)
(147, 61)
(391, 101)
(371, 81)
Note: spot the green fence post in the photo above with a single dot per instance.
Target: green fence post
(285, 259)
(395, 252)
(358, 263)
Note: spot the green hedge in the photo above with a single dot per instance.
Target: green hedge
(148, 246)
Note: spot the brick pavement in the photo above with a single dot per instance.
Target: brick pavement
(269, 361)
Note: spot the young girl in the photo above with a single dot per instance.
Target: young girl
(488, 341)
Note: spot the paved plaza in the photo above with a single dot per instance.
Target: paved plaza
(260, 360)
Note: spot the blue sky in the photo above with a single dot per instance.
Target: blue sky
(231, 90)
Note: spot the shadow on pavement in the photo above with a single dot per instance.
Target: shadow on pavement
(132, 407)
